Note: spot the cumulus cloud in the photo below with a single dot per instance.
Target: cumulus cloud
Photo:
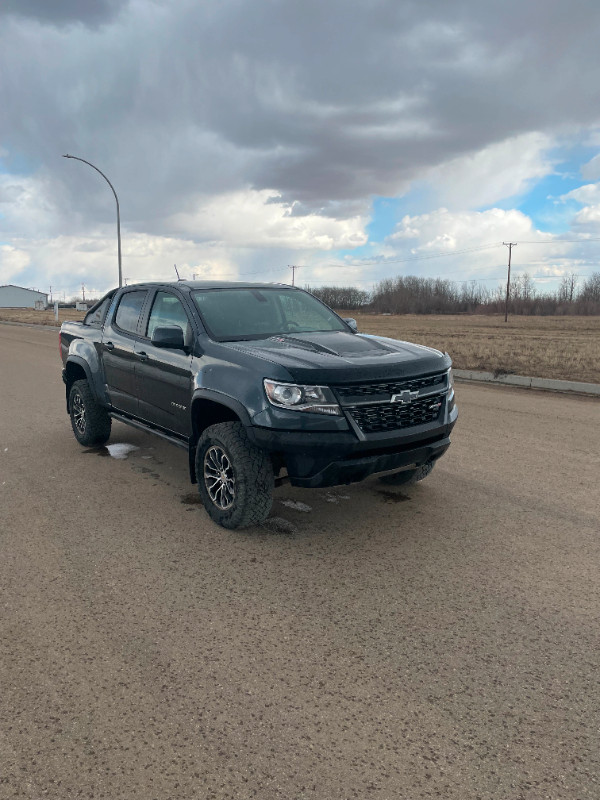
(306, 99)
(12, 262)
(591, 170)
(587, 194)
(271, 124)
(587, 218)
(472, 244)
(497, 172)
(251, 218)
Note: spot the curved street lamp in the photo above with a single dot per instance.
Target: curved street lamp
(118, 213)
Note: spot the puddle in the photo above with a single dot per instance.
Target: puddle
(191, 499)
(296, 505)
(115, 450)
(121, 450)
(393, 497)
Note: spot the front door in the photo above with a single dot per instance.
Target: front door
(118, 356)
(164, 375)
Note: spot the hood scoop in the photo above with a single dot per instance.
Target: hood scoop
(303, 344)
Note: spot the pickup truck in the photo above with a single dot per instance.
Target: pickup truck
(261, 384)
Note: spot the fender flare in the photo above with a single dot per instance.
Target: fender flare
(224, 400)
(81, 362)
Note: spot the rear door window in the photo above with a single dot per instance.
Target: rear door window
(128, 312)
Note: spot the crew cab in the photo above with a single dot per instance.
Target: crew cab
(260, 384)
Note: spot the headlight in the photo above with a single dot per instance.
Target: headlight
(318, 399)
(450, 381)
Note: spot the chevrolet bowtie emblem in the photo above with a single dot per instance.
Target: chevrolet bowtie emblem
(405, 397)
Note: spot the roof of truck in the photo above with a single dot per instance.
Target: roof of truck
(212, 284)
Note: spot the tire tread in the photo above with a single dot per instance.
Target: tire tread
(253, 471)
(98, 421)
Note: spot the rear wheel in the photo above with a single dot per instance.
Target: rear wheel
(90, 422)
(235, 479)
(407, 477)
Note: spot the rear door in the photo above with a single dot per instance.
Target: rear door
(164, 375)
(118, 350)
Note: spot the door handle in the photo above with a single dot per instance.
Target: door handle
(142, 356)
(109, 346)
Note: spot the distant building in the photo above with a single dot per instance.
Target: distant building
(19, 297)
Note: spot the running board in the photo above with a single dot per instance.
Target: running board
(150, 429)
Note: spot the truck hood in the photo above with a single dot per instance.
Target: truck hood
(340, 357)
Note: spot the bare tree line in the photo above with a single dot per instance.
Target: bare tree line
(414, 295)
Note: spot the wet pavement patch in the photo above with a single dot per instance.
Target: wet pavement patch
(191, 499)
(99, 451)
(279, 525)
(296, 505)
(393, 497)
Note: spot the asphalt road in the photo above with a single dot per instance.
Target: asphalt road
(436, 642)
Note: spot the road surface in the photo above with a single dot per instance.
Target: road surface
(368, 642)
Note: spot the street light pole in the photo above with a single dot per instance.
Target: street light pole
(118, 212)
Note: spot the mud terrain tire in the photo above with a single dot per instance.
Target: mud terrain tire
(235, 479)
(90, 422)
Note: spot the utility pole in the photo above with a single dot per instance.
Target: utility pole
(83, 293)
(294, 267)
(50, 295)
(510, 246)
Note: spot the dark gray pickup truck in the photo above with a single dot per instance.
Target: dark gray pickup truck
(260, 383)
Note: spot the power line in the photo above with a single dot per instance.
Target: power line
(418, 258)
(560, 241)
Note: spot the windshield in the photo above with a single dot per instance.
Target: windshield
(250, 313)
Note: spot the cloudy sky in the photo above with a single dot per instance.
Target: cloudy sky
(361, 139)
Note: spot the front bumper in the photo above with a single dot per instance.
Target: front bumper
(317, 459)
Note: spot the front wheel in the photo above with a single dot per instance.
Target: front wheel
(90, 421)
(235, 479)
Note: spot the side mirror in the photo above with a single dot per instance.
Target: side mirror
(351, 323)
(171, 336)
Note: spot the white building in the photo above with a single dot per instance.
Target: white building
(18, 297)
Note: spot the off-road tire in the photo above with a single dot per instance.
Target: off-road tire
(93, 428)
(407, 477)
(250, 493)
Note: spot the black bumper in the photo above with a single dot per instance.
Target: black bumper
(329, 459)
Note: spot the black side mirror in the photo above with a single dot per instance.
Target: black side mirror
(171, 336)
(351, 323)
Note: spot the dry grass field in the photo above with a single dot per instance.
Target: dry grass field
(32, 317)
(566, 348)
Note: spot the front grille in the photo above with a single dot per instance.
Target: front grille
(381, 417)
(391, 387)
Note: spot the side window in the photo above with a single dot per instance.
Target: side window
(168, 310)
(128, 312)
(95, 317)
